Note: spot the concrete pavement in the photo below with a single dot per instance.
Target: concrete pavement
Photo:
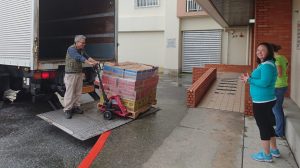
(252, 144)
(174, 137)
(212, 138)
(178, 137)
(204, 138)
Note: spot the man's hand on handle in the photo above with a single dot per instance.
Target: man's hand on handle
(94, 62)
(91, 62)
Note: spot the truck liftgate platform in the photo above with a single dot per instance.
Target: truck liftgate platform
(89, 124)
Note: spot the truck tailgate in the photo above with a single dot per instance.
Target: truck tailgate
(87, 125)
(83, 126)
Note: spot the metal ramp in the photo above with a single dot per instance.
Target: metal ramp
(87, 125)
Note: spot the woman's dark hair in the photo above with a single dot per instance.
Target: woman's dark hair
(276, 47)
(270, 55)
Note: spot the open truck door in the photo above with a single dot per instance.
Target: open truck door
(19, 35)
(98, 21)
(36, 34)
(19, 38)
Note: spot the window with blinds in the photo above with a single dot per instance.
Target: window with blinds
(146, 3)
(192, 6)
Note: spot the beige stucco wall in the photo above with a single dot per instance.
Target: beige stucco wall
(200, 23)
(150, 35)
(127, 9)
(171, 36)
(295, 68)
(153, 35)
(237, 46)
(142, 47)
(149, 23)
(140, 19)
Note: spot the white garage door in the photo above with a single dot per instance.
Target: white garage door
(200, 48)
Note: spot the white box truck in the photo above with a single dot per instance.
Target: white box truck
(35, 34)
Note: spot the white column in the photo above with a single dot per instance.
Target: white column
(172, 37)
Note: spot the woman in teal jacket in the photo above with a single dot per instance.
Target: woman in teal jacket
(262, 91)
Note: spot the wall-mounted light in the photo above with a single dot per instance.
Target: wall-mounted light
(251, 20)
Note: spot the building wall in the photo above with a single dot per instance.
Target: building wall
(172, 37)
(204, 22)
(154, 35)
(234, 47)
(127, 9)
(181, 10)
(132, 47)
(238, 46)
(140, 19)
(150, 35)
(295, 61)
(273, 23)
(200, 23)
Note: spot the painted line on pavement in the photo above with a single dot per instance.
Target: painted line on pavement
(94, 152)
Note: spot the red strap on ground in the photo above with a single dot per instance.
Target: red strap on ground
(88, 160)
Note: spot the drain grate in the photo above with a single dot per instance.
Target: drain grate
(227, 86)
(218, 93)
(226, 89)
(224, 83)
(230, 79)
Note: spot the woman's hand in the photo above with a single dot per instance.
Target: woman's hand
(245, 77)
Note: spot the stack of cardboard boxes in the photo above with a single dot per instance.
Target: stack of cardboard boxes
(135, 83)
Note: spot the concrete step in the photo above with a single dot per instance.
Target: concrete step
(292, 115)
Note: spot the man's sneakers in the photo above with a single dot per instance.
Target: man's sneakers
(262, 157)
(281, 137)
(68, 114)
(77, 110)
(275, 153)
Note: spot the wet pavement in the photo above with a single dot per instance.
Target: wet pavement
(204, 138)
(132, 145)
(27, 141)
(175, 137)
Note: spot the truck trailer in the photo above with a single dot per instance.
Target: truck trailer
(35, 35)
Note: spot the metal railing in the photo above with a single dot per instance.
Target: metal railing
(192, 6)
(146, 3)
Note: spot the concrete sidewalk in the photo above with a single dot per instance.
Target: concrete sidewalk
(213, 138)
(181, 137)
(205, 138)
(252, 145)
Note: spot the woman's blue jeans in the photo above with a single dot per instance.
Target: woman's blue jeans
(278, 111)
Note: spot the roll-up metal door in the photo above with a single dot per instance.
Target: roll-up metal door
(200, 48)
(17, 32)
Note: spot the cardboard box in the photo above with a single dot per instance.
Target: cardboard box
(135, 83)
(130, 70)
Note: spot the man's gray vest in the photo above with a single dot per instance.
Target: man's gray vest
(72, 65)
